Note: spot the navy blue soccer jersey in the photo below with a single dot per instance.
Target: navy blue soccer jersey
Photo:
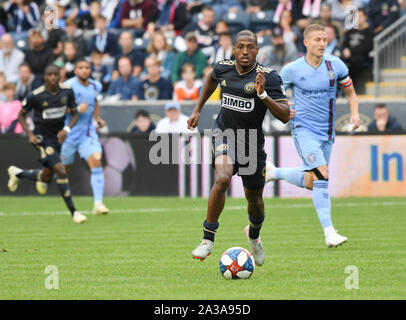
(49, 109)
(241, 108)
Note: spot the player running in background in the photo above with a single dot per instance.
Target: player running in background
(313, 80)
(83, 138)
(248, 91)
(50, 103)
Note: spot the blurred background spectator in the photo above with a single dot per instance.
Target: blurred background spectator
(189, 87)
(153, 87)
(192, 55)
(174, 122)
(383, 13)
(279, 52)
(142, 124)
(383, 121)
(159, 48)
(357, 46)
(10, 58)
(125, 86)
(9, 110)
(26, 82)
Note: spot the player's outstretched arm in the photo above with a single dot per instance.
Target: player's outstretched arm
(280, 109)
(208, 89)
(353, 102)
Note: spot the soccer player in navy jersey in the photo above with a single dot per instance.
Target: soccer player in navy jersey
(248, 91)
(50, 103)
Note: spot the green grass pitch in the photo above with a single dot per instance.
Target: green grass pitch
(142, 250)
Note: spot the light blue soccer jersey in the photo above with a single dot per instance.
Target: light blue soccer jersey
(314, 94)
(84, 128)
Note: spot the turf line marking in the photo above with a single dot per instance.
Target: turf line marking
(231, 208)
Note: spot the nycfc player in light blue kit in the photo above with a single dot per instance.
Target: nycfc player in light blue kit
(83, 137)
(313, 80)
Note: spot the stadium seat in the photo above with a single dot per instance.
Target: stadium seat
(261, 21)
(264, 41)
(236, 21)
(140, 44)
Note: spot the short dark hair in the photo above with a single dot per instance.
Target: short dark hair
(142, 113)
(247, 33)
(82, 60)
(380, 106)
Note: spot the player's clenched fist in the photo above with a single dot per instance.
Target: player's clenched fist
(260, 82)
(62, 136)
(193, 120)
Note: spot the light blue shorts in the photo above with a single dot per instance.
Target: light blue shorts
(86, 149)
(313, 152)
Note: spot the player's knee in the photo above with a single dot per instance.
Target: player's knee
(223, 182)
(60, 170)
(95, 160)
(320, 173)
(308, 181)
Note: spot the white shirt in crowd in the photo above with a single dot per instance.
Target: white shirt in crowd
(180, 126)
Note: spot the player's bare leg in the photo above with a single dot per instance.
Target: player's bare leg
(256, 214)
(224, 172)
(64, 189)
(44, 178)
(97, 183)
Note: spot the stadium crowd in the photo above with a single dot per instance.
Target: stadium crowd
(162, 49)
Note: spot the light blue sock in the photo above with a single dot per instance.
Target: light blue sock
(97, 183)
(322, 203)
(292, 175)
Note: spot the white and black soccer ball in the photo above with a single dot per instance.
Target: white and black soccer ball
(236, 263)
(119, 169)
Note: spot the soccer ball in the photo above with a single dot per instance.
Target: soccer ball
(236, 263)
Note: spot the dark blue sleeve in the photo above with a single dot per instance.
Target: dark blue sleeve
(137, 90)
(167, 91)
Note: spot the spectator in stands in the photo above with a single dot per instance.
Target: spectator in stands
(26, 82)
(333, 47)
(79, 8)
(154, 87)
(38, 56)
(51, 32)
(296, 7)
(136, 14)
(279, 52)
(73, 33)
(383, 13)
(220, 28)
(383, 121)
(189, 87)
(255, 6)
(174, 122)
(159, 48)
(87, 21)
(192, 55)
(204, 30)
(142, 123)
(67, 61)
(291, 32)
(357, 45)
(3, 21)
(125, 86)
(338, 8)
(100, 72)
(224, 48)
(25, 14)
(137, 57)
(325, 19)
(9, 111)
(104, 41)
(10, 58)
(2, 83)
(172, 16)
